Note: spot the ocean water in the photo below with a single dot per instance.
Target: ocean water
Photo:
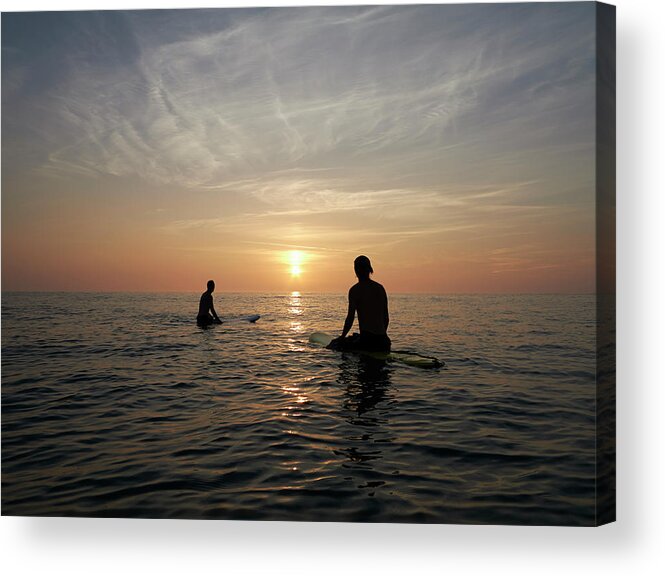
(118, 405)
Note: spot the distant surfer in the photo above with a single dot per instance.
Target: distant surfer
(368, 298)
(207, 314)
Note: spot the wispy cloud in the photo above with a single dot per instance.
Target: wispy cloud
(314, 88)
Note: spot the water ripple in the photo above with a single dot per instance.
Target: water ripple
(142, 414)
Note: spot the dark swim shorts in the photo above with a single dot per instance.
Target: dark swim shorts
(363, 341)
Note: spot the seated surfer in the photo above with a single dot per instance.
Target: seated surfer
(368, 298)
(207, 314)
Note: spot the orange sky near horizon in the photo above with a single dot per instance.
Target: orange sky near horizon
(122, 244)
(167, 149)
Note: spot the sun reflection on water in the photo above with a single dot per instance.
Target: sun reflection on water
(296, 326)
(295, 303)
(295, 396)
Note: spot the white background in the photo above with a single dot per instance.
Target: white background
(633, 544)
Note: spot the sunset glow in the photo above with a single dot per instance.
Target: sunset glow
(266, 149)
(296, 259)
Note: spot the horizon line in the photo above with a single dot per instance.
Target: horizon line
(196, 291)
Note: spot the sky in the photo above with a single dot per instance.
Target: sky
(267, 148)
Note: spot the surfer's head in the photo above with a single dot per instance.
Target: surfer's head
(362, 267)
(211, 286)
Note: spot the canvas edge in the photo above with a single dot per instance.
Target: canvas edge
(605, 263)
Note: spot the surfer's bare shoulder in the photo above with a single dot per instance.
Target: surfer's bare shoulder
(368, 285)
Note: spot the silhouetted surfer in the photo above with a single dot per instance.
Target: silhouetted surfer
(368, 298)
(207, 314)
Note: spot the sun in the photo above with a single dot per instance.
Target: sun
(295, 258)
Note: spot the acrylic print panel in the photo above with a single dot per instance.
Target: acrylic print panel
(467, 151)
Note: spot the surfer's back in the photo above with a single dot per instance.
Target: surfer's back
(371, 303)
(205, 303)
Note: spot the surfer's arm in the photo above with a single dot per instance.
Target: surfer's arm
(350, 315)
(386, 315)
(214, 314)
